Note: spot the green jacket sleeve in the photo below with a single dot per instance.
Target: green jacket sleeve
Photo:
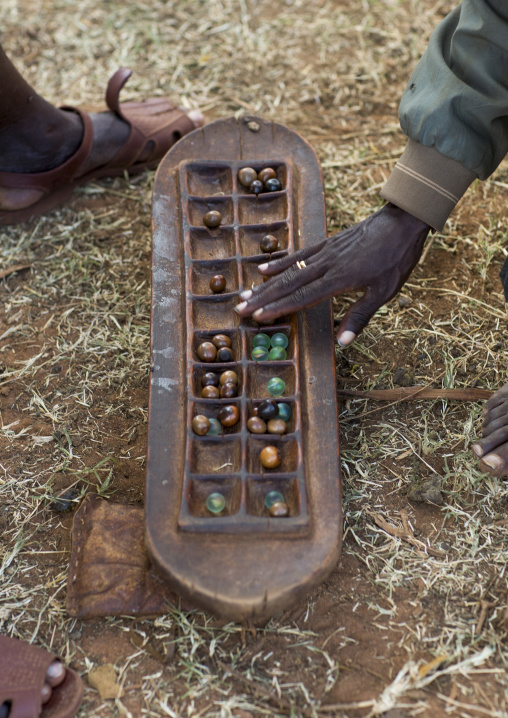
(454, 111)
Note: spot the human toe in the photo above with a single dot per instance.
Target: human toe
(197, 117)
(55, 674)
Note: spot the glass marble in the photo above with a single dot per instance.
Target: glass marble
(221, 340)
(256, 425)
(212, 219)
(228, 390)
(215, 503)
(207, 351)
(268, 409)
(266, 174)
(210, 392)
(215, 428)
(210, 378)
(279, 509)
(279, 340)
(247, 175)
(200, 424)
(269, 244)
(276, 426)
(285, 412)
(218, 283)
(256, 187)
(277, 354)
(273, 185)
(270, 457)
(229, 415)
(273, 497)
(259, 354)
(261, 340)
(276, 386)
(225, 354)
(228, 377)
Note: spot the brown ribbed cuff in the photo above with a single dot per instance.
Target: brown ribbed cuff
(427, 184)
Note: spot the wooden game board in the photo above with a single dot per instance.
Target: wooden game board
(241, 564)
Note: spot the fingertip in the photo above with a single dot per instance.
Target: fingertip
(263, 267)
(346, 338)
(240, 307)
(258, 313)
(477, 450)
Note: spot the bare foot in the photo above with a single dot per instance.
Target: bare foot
(492, 449)
(54, 676)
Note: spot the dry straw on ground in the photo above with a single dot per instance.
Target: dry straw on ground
(412, 621)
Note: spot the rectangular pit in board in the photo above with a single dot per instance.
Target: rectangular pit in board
(280, 169)
(259, 374)
(202, 273)
(251, 236)
(208, 180)
(221, 336)
(197, 208)
(198, 382)
(288, 413)
(207, 244)
(212, 455)
(211, 497)
(216, 313)
(272, 344)
(263, 492)
(230, 411)
(285, 449)
(263, 208)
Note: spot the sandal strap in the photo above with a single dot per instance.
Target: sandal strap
(46, 181)
(143, 117)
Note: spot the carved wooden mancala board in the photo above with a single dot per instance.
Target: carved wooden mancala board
(210, 523)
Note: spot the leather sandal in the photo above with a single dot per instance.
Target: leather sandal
(155, 125)
(23, 669)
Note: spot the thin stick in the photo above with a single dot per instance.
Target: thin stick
(418, 392)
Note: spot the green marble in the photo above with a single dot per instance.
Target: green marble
(272, 497)
(285, 412)
(261, 340)
(277, 354)
(279, 340)
(259, 354)
(215, 503)
(215, 428)
(276, 386)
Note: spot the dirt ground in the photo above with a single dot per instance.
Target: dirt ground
(401, 627)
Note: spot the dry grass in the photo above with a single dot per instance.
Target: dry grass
(74, 344)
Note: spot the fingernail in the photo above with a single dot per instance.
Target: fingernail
(346, 338)
(258, 312)
(240, 307)
(477, 450)
(262, 267)
(493, 461)
(247, 294)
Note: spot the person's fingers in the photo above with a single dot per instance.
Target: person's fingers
(357, 317)
(300, 298)
(496, 399)
(55, 674)
(492, 441)
(279, 289)
(276, 266)
(492, 423)
(496, 463)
